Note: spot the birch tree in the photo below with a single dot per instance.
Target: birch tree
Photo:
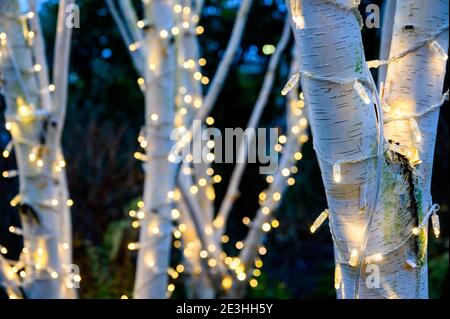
(412, 96)
(377, 189)
(35, 117)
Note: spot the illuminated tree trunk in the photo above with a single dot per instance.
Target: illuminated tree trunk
(371, 185)
(413, 94)
(156, 228)
(35, 119)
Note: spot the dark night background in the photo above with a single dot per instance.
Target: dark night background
(105, 113)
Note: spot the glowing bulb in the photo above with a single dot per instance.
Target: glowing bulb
(415, 129)
(133, 246)
(175, 213)
(415, 231)
(227, 282)
(175, 31)
(337, 276)
(154, 117)
(266, 227)
(337, 173)
(291, 83)
(179, 268)
(319, 220)
(140, 24)
(163, 34)
(133, 47)
(199, 30)
(353, 261)
(253, 283)
(194, 189)
(197, 76)
(212, 262)
(276, 196)
(177, 8)
(436, 225)
(361, 92)
(241, 276)
(37, 68)
(204, 80)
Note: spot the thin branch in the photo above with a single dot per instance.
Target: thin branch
(137, 61)
(224, 66)
(386, 37)
(61, 66)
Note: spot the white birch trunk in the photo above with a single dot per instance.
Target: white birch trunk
(371, 197)
(156, 228)
(198, 285)
(413, 87)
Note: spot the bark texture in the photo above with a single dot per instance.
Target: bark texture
(370, 184)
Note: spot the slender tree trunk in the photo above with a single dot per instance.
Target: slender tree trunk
(199, 284)
(156, 229)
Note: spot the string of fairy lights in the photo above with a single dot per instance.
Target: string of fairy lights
(25, 112)
(412, 155)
